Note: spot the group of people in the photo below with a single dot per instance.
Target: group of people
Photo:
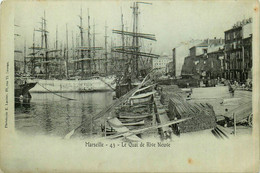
(173, 129)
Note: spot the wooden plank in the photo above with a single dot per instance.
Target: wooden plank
(134, 117)
(144, 88)
(143, 95)
(134, 123)
(120, 128)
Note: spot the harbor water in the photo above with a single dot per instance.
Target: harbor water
(49, 114)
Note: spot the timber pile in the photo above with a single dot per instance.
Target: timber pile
(242, 112)
(202, 113)
(167, 92)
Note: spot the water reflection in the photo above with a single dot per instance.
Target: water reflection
(68, 116)
(53, 115)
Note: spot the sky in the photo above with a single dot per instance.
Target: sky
(172, 22)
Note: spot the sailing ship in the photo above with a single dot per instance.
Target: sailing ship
(48, 65)
(22, 87)
(135, 68)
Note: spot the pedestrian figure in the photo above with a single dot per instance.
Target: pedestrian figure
(102, 128)
(178, 131)
(21, 99)
(170, 134)
(165, 135)
(232, 91)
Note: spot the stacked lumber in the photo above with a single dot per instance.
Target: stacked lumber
(241, 112)
(167, 91)
(202, 113)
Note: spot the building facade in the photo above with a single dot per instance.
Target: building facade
(179, 53)
(238, 52)
(161, 63)
(201, 55)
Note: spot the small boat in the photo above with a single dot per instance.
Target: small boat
(144, 95)
(134, 117)
(134, 123)
(143, 89)
(142, 98)
(130, 120)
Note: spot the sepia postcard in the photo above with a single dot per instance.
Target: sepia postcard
(129, 86)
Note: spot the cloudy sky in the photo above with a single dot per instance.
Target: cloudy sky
(171, 21)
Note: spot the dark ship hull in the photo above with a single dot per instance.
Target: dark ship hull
(22, 94)
(122, 89)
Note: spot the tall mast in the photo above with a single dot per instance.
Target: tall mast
(106, 48)
(33, 48)
(94, 44)
(46, 47)
(89, 45)
(24, 59)
(42, 26)
(56, 44)
(113, 57)
(60, 60)
(67, 52)
(134, 56)
(56, 47)
(73, 52)
(136, 38)
(123, 38)
(77, 53)
(81, 44)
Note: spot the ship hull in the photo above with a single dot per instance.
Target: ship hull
(122, 89)
(22, 94)
(89, 85)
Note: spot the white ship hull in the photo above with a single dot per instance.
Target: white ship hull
(89, 85)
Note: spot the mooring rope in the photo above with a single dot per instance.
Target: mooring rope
(55, 93)
(102, 80)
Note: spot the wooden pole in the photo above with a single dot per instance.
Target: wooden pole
(91, 125)
(60, 61)
(67, 52)
(33, 61)
(123, 41)
(106, 49)
(46, 47)
(89, 46)
(24, 59)
(81, 44)
(94, 44)
(105, 126)
(73, 52)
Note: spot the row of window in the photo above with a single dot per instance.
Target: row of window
(160, 64)
(233, 35)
